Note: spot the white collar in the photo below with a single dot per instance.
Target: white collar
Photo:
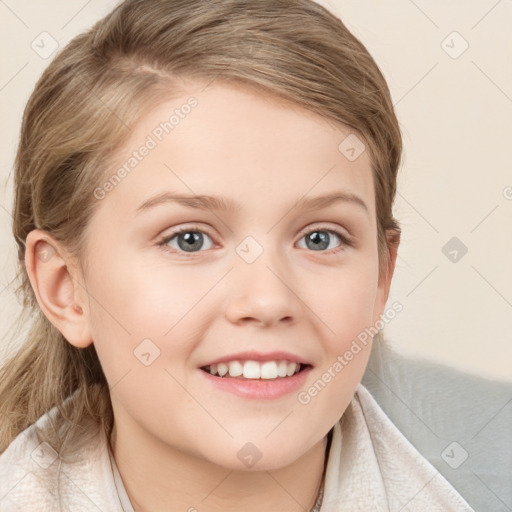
(374, 468)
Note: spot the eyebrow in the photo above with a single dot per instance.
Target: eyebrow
(208, 202)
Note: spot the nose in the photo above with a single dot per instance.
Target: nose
(262, 293)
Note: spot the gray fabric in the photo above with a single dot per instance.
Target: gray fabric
(434, 406)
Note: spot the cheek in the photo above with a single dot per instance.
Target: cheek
(347, 310)
(143, 301)
(135, 311)
(344, 301)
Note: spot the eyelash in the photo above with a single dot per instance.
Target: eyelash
(346, 241)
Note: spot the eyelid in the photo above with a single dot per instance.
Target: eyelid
(325, 227)
(184, 229)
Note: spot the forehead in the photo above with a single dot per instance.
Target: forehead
(245, 145)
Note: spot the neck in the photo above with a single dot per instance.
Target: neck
(158, 480)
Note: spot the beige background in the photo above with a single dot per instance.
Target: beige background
(455, 108)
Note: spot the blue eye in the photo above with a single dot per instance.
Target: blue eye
(192, 239)
(319, 239)
(188, 240)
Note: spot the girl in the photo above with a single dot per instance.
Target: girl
(203, 214)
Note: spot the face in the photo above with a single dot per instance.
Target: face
(265, 279)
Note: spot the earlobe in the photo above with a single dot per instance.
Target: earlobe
(58, 292)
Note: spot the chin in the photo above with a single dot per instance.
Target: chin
(260, 455)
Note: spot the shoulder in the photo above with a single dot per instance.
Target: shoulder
(409, 479)
(372, 466)
(34, 477)
(17, 471)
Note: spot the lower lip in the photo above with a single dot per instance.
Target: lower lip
(262, 389)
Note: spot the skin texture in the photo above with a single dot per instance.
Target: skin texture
(176, 437)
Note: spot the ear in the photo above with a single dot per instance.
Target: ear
(384, 284)
(58, 286)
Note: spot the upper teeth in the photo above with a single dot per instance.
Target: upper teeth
(255, 369)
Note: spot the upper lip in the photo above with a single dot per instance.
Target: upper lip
(252, 355)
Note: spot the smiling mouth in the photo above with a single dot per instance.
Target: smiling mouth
(255, 370)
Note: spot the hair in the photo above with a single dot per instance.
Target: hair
(83, 108)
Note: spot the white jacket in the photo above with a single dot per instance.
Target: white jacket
(371, 467)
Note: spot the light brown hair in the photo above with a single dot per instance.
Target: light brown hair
(93, 92)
